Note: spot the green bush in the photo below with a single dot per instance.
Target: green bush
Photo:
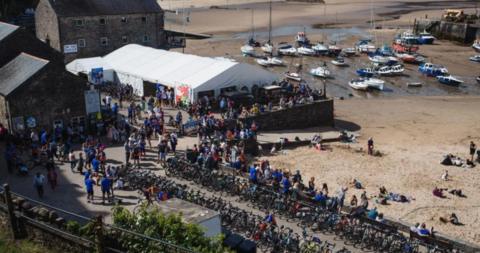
(73, 227)
(153, 223)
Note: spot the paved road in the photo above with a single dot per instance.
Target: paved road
(70, 194)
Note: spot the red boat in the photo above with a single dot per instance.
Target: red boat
(401, 47)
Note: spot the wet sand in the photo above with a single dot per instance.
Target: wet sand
(413, 133)
(337, 85)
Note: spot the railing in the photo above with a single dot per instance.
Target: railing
(24, 222)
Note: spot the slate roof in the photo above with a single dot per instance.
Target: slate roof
(18, 71)
(6, 29)
(77, 8)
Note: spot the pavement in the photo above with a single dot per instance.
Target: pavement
(70, 194)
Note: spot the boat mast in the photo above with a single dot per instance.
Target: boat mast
(253, 27)
(270, 25)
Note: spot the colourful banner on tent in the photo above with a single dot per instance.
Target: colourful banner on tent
(182, 94)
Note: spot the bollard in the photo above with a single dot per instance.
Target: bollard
(11, 213)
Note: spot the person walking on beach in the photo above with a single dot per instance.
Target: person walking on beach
(38, 182)
(370, 146)
(473, 148)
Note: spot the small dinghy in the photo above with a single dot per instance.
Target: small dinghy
(247, 50)
(349, 51)
(305, 51)
(358, 84)
(287, 50)
(320, 72)
(293, 76)
(366, 72)
(449, 80)
(475, 58)
(270, 61)
(339, 61)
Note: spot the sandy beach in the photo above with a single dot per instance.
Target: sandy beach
(413, 134)
(412, 128)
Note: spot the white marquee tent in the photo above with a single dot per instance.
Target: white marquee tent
(134, 64)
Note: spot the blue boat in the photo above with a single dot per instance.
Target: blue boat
(425, 38)
(385, 50)
(431, 69)
(449, 80)
(366, 72)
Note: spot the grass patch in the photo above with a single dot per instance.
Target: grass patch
(7, 245)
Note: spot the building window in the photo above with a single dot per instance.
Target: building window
(124, 39)
(104, 41)
(103, 21)
(146, 38)
(123, 20)
(79, 22)
(144, 20)
(82, 43)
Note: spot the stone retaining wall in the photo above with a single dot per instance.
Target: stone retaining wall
(318, 113)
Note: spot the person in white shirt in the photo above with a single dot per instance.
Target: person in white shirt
(108, 100)
(445, 176)
(38, 182)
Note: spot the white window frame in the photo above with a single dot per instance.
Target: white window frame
(80, 44)
(102, 40)
(124, 20)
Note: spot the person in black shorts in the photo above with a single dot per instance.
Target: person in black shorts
(473, 148)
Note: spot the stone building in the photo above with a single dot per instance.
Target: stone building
(34, 85)
(86, 28)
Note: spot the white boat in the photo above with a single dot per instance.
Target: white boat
(339, 61)
(267, 48)
(378, 59)
(449, 80)
(320, 72)
(247, 50)
(270, 61)
(366, 48)
(374, 83)
(287, 50)
(320, 48)
(349, 51)
(475, 58)
(476, 45)
(293, 76)
(358, 84)
(397, 69)
(305, 51)
(391, 70)
(385, 70)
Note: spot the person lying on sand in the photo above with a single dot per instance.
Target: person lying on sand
(457, 192)
(452, 219)
(438, 192)
(355, 183)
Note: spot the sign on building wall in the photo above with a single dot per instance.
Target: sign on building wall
(18, 123)
(70, 48)
(182, 94)
(31, 122)
(96, 76)
(92, 101)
